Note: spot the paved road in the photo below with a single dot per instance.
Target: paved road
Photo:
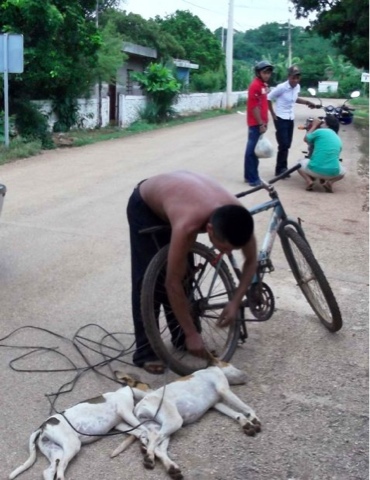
(64, 263)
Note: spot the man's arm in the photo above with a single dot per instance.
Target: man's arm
(256, 111)
(316, 122)
(271, 108)
(302, 101)
(180, 246)
(230, 312)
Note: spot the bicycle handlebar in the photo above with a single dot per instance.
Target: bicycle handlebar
(266, 185)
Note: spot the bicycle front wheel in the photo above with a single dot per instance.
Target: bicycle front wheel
(209, 286)
(311, 279)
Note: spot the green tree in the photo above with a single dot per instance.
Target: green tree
(64, 55)
(199, 43)
(345, 22)
(61, 46)
(348, 76)
(242, 75)
(110, 59)
(134, 28)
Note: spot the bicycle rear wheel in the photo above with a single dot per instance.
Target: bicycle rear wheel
(311, 279)
(207, 292)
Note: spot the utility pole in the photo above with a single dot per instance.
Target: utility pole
(100, 120)
(229, 54)
(289, 44)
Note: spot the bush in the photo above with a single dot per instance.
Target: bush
(31, 124)
(66, 110)
(162, 90)
(151, 112)
(12, 129)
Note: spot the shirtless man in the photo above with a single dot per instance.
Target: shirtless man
(190, 203)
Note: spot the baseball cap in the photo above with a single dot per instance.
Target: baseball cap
(293, 70)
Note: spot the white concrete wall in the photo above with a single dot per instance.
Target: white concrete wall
(130, 105)
(87, 108)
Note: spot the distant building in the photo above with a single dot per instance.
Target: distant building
(183, 69)
(139, 57)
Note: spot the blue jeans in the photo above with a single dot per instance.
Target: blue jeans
(284, 136)
(250, 159)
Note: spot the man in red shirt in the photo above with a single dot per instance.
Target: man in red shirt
(257, 119)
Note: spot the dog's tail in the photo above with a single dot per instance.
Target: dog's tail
(125, 444)
(32, 458)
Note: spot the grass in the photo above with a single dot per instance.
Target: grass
(18, 148)
(361, 121)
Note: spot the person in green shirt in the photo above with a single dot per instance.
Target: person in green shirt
(324, 163)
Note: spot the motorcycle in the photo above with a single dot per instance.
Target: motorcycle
(344, 113)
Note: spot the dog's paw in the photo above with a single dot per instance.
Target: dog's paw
(252, 427)
(149, 462)
(175, 473)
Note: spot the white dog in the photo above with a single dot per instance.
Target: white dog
(185, 401)
(60, 437)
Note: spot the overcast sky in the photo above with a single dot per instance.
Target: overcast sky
(248, 14)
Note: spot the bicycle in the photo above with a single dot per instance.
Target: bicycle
(209, 285)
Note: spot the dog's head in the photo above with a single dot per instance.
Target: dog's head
(233, 374)
(131, 380)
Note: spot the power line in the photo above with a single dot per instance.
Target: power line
(203, 8)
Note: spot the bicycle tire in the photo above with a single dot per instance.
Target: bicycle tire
(164, 332)
(314, 287)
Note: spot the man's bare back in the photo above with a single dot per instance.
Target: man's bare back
(185, 198)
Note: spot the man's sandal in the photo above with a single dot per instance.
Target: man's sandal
(155, 367)
(328, 188)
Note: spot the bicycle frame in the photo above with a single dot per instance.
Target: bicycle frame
(277, 219)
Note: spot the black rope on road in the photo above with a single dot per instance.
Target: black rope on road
(81, 344)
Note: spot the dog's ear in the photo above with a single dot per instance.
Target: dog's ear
(212, 360)
(126, 379)
(131, 380)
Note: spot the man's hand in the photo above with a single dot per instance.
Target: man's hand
(195, 345)
(228, 315)
(310, 104)
(316, 122)
(263, 128)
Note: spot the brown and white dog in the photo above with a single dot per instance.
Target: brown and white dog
(185, 401)
(60, 437)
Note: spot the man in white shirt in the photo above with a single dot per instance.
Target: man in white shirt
(285, 95)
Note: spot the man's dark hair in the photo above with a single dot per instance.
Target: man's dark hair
(233, 224)
(332, 122)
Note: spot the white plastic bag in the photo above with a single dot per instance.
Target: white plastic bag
(264, 149)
